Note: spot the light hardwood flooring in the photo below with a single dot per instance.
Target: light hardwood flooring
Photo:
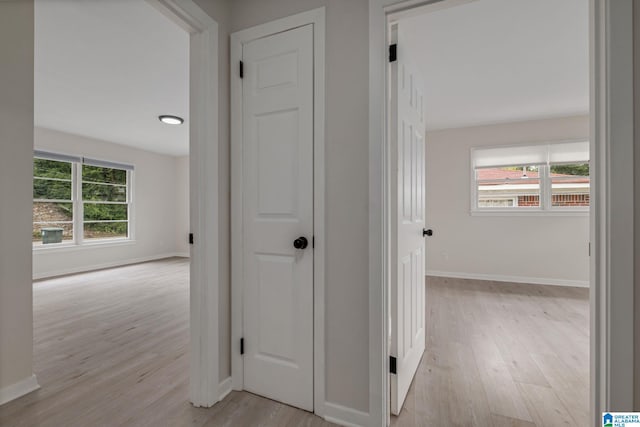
(502, 354)
(111, 349)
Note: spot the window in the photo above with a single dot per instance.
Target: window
(105, 203)
(78, 200)
(531, 178)
(52, 201)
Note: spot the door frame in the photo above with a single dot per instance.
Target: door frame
(316, 17)
(205, 388)
(611, 215)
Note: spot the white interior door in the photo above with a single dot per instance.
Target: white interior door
(277, 102)
(407, 284)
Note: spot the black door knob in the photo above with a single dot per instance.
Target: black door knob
(300, 243)
(427, 232)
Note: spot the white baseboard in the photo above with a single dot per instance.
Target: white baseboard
(19, 389)
(100, 266)
(224, 388)
(182, 254)
(344, 416)
(515, 279)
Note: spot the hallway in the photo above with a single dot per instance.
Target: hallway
(111, 349)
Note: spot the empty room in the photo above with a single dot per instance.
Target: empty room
(110, 208)
(506, 152)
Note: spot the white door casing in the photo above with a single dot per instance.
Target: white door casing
(206, 385)
(407, 288)
(277, 99)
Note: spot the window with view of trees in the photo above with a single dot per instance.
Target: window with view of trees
(105, 202)
(52, 201)
(540, 177)
(77, 200)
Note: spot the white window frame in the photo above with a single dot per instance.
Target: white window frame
(72, 201)
(129, 202)
(77, 201)
(544, 173)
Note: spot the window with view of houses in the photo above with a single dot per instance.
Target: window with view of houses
(538, 177)
(78, 200)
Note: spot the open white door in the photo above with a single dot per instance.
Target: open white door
(407, 284)
(277, 129)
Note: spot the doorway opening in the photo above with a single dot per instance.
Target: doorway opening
(507, 143)
(135, 181)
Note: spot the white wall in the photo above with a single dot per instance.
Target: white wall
(182, 205)
(160, 201)
(16, 151)
(529, 249)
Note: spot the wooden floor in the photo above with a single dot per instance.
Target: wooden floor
(110, 349)
(502, 354)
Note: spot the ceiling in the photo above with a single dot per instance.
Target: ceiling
(108, 69)
(495, 61)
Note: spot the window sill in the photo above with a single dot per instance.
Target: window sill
(532, 212)
(90, 245)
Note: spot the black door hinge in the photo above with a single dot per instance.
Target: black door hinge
(191, 238)
(393, 52)
(241, 69)
(393, 366)
(241, 345)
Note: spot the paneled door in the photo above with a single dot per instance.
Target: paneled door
(407, 284)
(277, 102)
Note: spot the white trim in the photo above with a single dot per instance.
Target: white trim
(19, 389)
(101, 266)
(204, 215)
(237, 315)
(72, 247)
(513, 279)
(529, 212)
(319, 191)
(224, 388)
(378, 219)
(186, 14)
(317, 18)
(413, 8)
(344, 416)
(612, 227)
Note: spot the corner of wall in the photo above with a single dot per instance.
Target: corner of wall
(16, 165)
(19, 389)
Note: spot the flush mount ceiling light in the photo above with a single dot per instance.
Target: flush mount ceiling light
(171, 120)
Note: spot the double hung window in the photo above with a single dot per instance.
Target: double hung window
(78, 200)
(549, 177)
